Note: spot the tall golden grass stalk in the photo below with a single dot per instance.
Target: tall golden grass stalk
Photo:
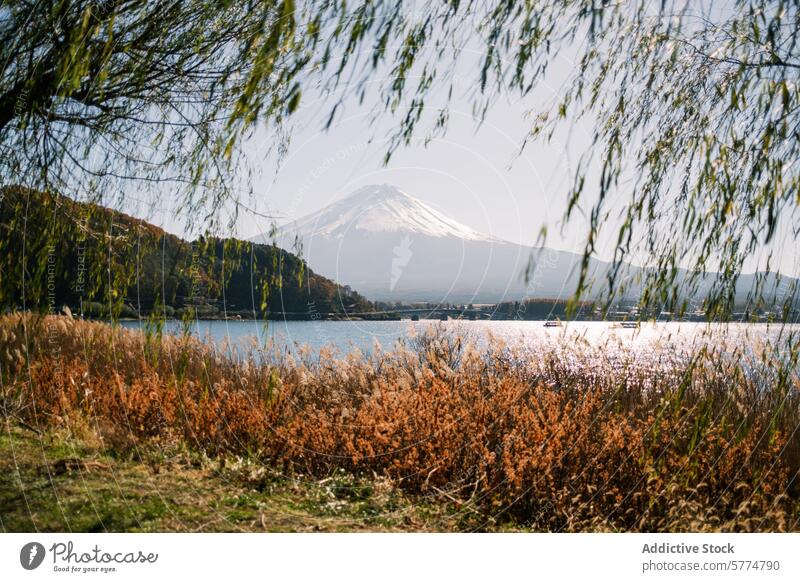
(557, 438)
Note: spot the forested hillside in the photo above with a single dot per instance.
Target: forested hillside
(55, 252)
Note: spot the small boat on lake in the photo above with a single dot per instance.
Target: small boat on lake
(553, 323)
(625, 325)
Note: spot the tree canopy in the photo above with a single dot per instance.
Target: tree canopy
(698, 102)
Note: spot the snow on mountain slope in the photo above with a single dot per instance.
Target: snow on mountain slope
(391, 246)
(381, 209)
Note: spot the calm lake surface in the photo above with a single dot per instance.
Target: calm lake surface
(346, 336)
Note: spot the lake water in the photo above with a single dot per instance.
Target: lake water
(346, 336)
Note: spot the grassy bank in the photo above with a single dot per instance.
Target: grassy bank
(559, 438)
(55, 482)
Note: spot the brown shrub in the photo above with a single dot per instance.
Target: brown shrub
(555, 439)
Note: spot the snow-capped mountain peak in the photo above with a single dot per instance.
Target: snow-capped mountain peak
(381, 209)
(389, 245)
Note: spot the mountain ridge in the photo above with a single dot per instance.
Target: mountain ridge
(393, 247)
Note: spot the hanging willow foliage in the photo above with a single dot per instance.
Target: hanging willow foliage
(700, 102)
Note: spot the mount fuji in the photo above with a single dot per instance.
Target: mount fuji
(391, 246)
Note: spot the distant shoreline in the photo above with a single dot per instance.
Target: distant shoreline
(436, 319)
(433, 314)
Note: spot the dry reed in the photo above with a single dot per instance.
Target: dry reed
(562, 438)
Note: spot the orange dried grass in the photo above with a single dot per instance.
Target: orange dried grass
(546, 444)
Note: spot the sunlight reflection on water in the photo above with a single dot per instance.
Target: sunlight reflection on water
(346, 336)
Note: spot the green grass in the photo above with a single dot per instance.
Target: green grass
(55, 482)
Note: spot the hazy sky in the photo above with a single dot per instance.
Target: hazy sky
(474, 174)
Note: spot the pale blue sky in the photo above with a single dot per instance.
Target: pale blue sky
(474, 174)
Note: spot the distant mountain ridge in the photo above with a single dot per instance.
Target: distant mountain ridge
(393, 247)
